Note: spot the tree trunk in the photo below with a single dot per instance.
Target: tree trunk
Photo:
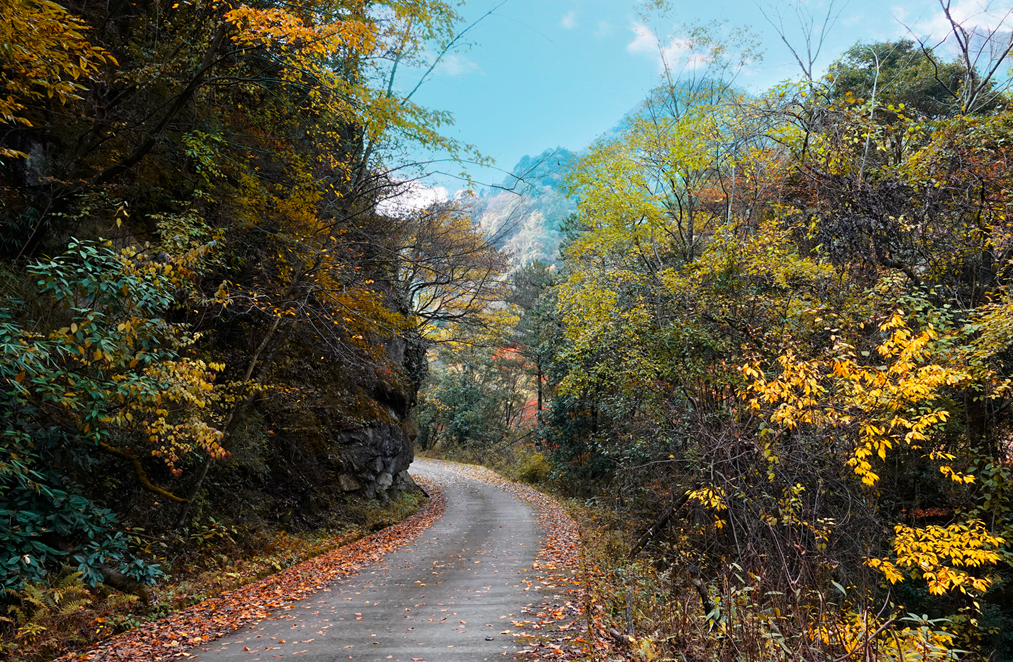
(124, 584)
(539, 368)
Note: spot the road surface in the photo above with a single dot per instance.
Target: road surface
(450, 595)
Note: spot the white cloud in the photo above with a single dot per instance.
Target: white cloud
(604, 29)
(855, 19)
(456, 64)
(412, 196)
(678, 53)
(644, 41)
(978, 17)
(569, 20)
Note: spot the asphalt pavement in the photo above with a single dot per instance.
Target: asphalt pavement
(451, 595)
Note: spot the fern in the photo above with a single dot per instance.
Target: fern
(35, 602)
(30, 631)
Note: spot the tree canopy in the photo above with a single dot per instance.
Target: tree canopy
(777, 342)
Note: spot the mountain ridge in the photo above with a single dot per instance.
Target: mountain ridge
(524, 212)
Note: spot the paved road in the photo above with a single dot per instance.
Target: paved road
(445, 597)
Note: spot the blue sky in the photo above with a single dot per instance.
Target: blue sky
(547, 73)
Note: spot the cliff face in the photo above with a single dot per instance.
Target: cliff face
(333, 422)
(376, 456)
(337, 432)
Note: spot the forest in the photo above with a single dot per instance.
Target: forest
(211, 339)
(770, 362)
(766, 372)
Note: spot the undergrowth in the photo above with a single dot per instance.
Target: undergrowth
(667, 603)
(45, 619)
(659, 605)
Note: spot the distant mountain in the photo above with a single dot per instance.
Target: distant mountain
(528, 207)
(546, 169)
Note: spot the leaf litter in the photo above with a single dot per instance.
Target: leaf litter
(171, 638)
(568, 628)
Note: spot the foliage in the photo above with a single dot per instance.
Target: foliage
(898, 75)
(46, 526)
(920, 638)
(36, 606)
(778, 348)
(115, 378)
(924, 550)
(887, 405)
(117, 364)
(533, 468)
(476, 401)
(45, 56)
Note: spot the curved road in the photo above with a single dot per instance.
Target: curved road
(446, 596)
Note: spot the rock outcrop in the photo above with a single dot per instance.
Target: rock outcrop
(340, 433)
(377, 460)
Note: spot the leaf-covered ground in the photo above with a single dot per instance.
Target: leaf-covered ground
(561, 626)
(172, 637)
(568, 626)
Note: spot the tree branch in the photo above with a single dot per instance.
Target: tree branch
(148, 143)
(142, 476)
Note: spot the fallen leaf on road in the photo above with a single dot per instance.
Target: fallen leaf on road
(157, 641)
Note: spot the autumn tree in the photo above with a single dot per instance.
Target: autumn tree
(117, 377)
(46, 56)
(448, 269)
(800, 380)
(270, 133)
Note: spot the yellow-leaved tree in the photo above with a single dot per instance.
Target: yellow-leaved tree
(43, 55)
(880, 402)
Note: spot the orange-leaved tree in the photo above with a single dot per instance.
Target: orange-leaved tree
(44, 54)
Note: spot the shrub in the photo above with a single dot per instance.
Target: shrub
(533, 467)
